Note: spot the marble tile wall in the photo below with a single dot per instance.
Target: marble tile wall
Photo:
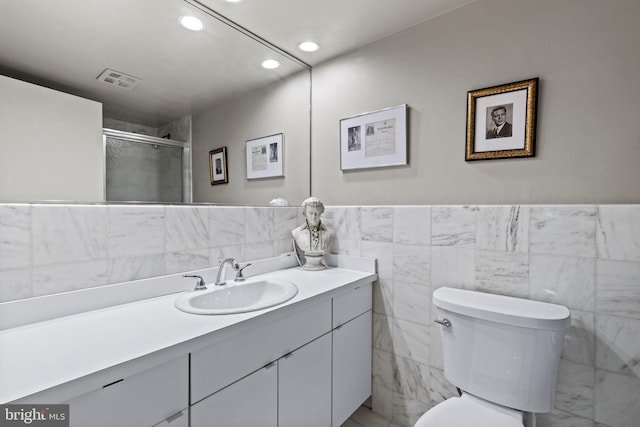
(586, 257)
(49, 248)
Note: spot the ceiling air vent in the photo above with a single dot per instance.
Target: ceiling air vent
(116, 78)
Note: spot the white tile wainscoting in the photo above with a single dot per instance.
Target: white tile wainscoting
(46, 248)
(586, 257)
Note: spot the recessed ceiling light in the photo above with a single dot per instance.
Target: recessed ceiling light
(308, 46)
(234, 1)
(270, 64)
(191, 23)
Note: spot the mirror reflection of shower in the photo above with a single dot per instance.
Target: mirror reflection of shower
(141, 168)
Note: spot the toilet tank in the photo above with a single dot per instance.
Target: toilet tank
(502, 349)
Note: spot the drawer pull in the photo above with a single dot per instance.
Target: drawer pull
(113, 383)
(270, 365)
(288, 355)
(174, 417)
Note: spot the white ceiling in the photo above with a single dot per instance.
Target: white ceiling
(338, 26)
(66, 44)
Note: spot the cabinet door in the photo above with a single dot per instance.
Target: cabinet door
(304, 385)
(249, 402)
(219, 365)
(142, 400)
(351, 367)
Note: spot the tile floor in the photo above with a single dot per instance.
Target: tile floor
(363, 417)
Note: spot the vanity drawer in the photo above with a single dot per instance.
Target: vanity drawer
(144, 399)
(351, 304)
(227, 361)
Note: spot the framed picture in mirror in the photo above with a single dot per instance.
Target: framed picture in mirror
(501, 121)
(264, 157)
(218, 166)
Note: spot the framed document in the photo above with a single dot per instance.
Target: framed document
(372, 140)
(264, 157)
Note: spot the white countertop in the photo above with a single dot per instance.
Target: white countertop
(53, 353)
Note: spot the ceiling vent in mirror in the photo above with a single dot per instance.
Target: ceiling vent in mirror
(116, 78)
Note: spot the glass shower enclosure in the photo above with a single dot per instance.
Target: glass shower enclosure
(141, 168)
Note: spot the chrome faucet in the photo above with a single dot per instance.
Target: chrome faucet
(200, 285)
(234, 264)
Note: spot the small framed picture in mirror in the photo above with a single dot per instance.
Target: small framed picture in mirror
(218, 166)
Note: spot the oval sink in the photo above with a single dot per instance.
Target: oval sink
(237, 298)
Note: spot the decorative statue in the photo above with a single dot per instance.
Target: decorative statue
(313, 238)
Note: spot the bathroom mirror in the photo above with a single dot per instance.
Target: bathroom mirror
(214, 77)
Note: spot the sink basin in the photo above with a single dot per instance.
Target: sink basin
(237, 297)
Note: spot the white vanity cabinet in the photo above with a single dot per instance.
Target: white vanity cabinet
(293, 391)
(256, 345)
(310, 368)
(304, 385)
(235, 375)
(157, 396)
(304, 364)
(251, 401)
(352, 323)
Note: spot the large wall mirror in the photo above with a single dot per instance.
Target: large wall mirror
(202, 90)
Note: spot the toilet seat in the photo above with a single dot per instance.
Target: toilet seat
(469, 410)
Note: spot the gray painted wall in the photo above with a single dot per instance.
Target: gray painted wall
(281, 108)
(588, 141)
(51, 144)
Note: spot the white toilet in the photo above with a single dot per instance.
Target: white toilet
(502, 353)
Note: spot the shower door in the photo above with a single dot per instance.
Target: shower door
(144, 169)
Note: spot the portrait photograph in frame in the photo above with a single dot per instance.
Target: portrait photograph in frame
(264, 157)
(218, 166)
(501, 121)
(373, 140)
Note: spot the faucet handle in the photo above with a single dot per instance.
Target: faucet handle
(200, 285)
(239, 275)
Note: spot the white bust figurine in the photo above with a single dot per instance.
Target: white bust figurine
(313, 236)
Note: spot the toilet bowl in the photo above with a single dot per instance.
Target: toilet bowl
(503, 354)
(470, 410)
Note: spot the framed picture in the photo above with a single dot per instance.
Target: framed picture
(501, 121)
(373, 140)
(218, 166)
(264, 157)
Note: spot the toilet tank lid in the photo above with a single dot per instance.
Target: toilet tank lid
(503, 309)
